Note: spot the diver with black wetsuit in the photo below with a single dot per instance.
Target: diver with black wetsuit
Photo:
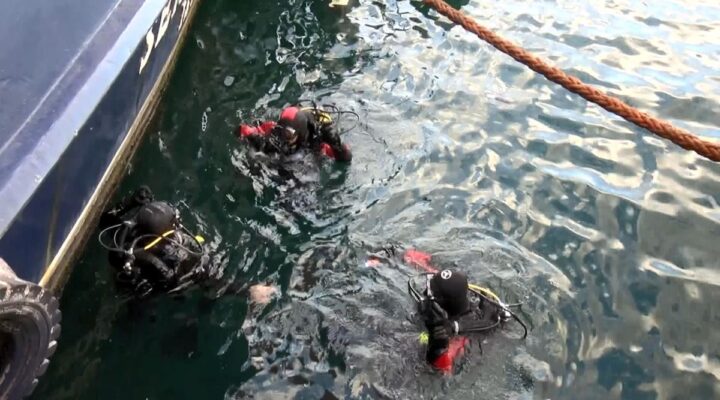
(449, 316)
(450, 308)
(153, 252)
(298, 128)
(148, 245)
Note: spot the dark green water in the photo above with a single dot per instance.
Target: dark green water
(606, 233)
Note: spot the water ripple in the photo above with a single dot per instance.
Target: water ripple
(604, 231)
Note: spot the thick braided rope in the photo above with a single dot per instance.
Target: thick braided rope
(657, 126)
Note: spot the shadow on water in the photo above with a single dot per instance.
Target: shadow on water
(605, 233)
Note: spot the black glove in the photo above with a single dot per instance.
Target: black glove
(439, 333)
(343, 153)
(151, 265)
(437, 322)
(329, 135)
(118, 212)
(439, 329)
(436, 317)
(141, 196)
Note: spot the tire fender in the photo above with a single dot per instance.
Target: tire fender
(29, 329)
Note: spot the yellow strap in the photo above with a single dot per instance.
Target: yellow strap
(484, 291)
(322, 116)
(158, 239)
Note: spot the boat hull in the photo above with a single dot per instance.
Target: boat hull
(63, 179)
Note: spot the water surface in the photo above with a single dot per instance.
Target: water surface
(606, 233)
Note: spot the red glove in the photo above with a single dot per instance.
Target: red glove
(419, 259)
(247, 130)
(266, 127)
(261, 130)
(325, 149)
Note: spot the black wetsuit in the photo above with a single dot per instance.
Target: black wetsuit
(448, 308)
(446, 331)
(161, 256)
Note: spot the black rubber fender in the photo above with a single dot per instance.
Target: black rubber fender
(29, 328)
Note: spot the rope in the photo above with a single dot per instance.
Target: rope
(662, 128)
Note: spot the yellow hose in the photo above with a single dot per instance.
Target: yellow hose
(322, 116)
(484, 291)
(158, 239)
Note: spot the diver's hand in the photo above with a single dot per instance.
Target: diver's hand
(340, 152)
(436, 319)
(344, 154)
(329, 135)
(143, 195)
(439, 333)
(146, 261)
(261, 294)
(337, 153)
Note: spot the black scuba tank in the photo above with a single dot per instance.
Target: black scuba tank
(155, 218)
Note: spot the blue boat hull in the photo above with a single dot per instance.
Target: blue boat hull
(60, 166)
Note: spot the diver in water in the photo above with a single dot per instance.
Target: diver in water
(451, 309)
(298, 128)
(153, 252)
(149, 247)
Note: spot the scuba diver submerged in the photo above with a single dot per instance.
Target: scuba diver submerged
(451, 309)
(149, 246)
(298, 128)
